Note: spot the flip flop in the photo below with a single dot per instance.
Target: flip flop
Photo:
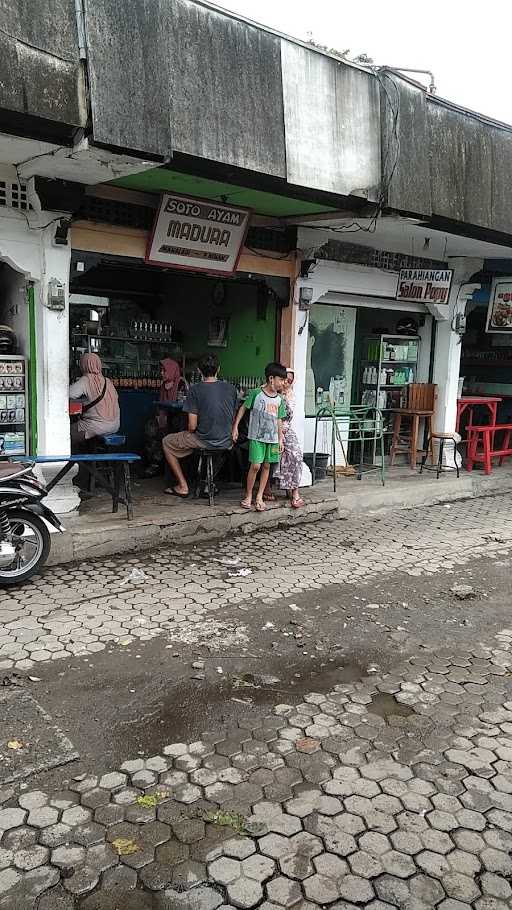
(260, 507)
(246, 506)
(171, 492)
(297, 503)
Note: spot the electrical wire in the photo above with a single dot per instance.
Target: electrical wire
(390, 158)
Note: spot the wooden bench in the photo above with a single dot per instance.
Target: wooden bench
(119, 462)
(482, 445)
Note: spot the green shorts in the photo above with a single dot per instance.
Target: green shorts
(260, 452)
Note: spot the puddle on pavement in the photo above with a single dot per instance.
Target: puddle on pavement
(192, 707)
(386, 706)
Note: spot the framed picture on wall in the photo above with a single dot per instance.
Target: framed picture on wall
(218, 332)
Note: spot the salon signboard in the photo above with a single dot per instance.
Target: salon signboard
(424, 285)
(197, 234)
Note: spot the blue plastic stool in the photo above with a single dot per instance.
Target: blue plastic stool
(113, 440)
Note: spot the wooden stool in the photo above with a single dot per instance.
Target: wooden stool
(406, 443)
(421, 397)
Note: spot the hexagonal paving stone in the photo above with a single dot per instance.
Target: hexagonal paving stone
(296, 866)
(425, 889)
(365, 865)
(239, 847)
(55, 835)
(305, 843)
(354, 888)
(331, 866)
(113, 781)
(68, 856)
(19, 838)
(398, 864)
(433, 864)
(156, 876)
(109, 815)
(82, 881)
(275, 845)
(11, 818)
(442, 821)
(406, 842)
(260, 868)
(76, 816)
(282, 892)
(187, 793)
(33, 800)
(460, 887)
(189, 872)
(393, 891)
(438, 841)
(321, 890)
(374, 843)
(189, 830)
(245, 892)
(225, 870)
(497, 861)
(466, 863)
(31, 858)
(95, 798)
(495, 886)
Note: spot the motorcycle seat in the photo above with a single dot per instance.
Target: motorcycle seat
(8, 469)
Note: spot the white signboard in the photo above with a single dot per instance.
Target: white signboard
(424, 285)
(499, 312)
(197, 234)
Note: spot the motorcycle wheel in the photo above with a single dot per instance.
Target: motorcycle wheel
(31, 537)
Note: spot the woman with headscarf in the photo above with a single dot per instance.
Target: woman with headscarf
(100, 411)
(157, 427)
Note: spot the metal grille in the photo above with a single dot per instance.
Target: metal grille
(13, 195)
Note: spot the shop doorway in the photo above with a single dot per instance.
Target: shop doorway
(135, 315)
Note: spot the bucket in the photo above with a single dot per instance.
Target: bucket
(321, 464)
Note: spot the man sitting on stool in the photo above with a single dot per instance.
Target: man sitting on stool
(211, 406)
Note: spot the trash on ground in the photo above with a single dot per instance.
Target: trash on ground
(15, 744)
(242, 572)
(373, 606)
(463, 592)
(135, 577)
(13, 679)
(125, 846)
(198, 665)
(229, 560)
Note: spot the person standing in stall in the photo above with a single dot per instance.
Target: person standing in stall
(157, 426)
(265, 431)
(100, 409)
(289, 470)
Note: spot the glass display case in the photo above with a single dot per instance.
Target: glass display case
(389, 364)
(14, 416)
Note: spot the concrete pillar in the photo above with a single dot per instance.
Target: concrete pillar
(53, 371)
(448, 344)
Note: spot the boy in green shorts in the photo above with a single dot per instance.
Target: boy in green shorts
(265, 431)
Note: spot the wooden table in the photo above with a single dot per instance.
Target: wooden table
(470, 401)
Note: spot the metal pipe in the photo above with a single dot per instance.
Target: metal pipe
(403, 69)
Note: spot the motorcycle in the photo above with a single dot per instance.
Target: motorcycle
(24, 536)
